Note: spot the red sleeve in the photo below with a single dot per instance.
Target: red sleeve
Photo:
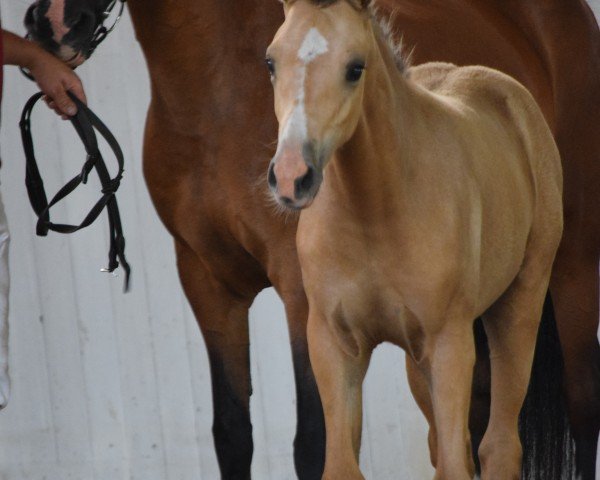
(1, 63)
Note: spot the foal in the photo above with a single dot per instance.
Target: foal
(439, 201)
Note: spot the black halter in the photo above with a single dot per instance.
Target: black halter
(84, 122)
(99, 35)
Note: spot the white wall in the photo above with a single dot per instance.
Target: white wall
(109, 386)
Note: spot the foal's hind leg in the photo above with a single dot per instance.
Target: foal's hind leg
(452, 359)
(511, 325)
(223, 320)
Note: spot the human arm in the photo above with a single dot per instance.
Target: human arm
(53, 76)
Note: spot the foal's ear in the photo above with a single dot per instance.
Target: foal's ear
(286, 4)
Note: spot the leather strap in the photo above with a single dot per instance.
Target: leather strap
(85, 123)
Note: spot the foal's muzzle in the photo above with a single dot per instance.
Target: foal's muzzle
(293, 181)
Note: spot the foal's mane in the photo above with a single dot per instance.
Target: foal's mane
(383, 26)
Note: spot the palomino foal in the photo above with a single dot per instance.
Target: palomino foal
(439, 200)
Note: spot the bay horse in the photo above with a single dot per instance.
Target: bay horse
(206, 66)
(431, 196)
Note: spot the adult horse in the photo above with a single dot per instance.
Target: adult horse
(433, 196)
(205, 62)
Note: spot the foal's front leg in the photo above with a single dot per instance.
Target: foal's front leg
(452, 359)
(339, 377)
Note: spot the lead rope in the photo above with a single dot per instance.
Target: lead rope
(85, 123)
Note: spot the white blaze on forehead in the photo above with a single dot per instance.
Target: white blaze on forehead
(313, 45)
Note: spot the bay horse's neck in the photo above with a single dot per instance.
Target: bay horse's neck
(221, 21)
(203, 52)
(367, 170)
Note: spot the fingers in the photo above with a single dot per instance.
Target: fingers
(55, 79)
(75, 86)
(63, 103)
(52, 105)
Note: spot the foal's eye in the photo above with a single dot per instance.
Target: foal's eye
(270, 66)
(354, 72)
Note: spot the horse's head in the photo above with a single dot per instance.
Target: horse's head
(70, 29)
(317, 62)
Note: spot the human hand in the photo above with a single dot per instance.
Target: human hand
(55, 78)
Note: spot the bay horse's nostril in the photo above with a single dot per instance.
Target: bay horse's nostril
(271, 178)
(303, 184)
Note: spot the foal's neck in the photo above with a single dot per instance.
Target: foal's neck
(370, 169)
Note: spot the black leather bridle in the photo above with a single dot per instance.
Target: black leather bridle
(102, 30)
(85, 123)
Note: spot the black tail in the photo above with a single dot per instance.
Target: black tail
(548, 446)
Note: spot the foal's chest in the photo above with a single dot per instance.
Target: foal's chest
(363, 302)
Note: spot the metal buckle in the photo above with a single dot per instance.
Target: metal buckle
(109, 10)
(102, 31)
(113, 273)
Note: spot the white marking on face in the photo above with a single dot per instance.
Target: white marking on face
(313, 45)
(56, 16)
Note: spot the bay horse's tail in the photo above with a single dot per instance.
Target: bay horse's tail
(548, 446)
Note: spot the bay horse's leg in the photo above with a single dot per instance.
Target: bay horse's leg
(340, 377)
(574, 287)
(452, 359)
(480, 396)
(511, 324)
(419, 386)
(309, 443)
(223, 320)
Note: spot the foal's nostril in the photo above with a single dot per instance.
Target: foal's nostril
(304, 184)
(271, 177)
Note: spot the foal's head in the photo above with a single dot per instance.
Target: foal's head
(318, 62)
(66, 28)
